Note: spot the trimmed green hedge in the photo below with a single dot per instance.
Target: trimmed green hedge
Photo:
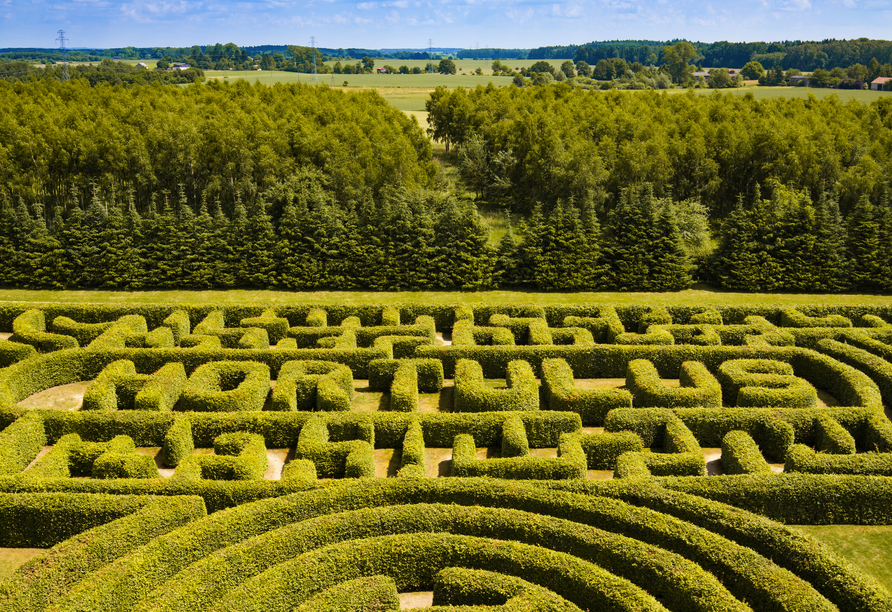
(13, 352)
(570, 462)
(429, 371)
(465, 333)
(514, 438)
(473, 395)
(602, 450)
(346, 459)
(226, 386)
(741, 455)
(367, 594)
(801, 458)
(21, 442)
(559, 392)
(162, 389)
(764, 382)
(98, 528)
(237, 456)
(459, 586)
(276, 327)
(831, 437)
(313, 385)
(869, 355)
(790, 317)
(698, 386)
(30, 328)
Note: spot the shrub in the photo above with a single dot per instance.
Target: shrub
(790, 317)
(570, 463)
(21, 442)
(348, 459)
(179, 324)
(178, 443)
(519, 326)
(202, 342)
(13, 352)
(698, 386)
(125, 465)
(465, 333)
(657, 315)
(831, 437)
(412, 462)
(317, 317)
(639, 465)
(603, 449)
(254, 338)
(764, 382)
(237, 456)
(404, 390)
(343, 341)
(30, 328)
(472, 394)
(162, 389)
(868, 355)
(390, 316)
(276, 327)
(226, 386)
(313, 385)
(430, 374)
(709, 316)
(801, 458)
(514, 438)
(456, 586)
(366, 594)
(741, 455)
(99, 529)
(560, 393)
(117, 383)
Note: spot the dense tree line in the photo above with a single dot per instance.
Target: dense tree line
(407, 239)
(544, 144)
(107, 71)
(804, 55)
(214, 140)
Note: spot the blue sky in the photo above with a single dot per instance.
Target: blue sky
(450, 23)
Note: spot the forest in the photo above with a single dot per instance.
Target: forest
(304, 187)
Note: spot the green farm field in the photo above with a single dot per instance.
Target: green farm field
(689, 297)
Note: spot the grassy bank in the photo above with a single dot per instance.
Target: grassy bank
(691, 297)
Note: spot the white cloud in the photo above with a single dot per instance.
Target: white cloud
(367, 6)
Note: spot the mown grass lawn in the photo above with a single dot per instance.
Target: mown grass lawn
(698, 296)
(868, 547)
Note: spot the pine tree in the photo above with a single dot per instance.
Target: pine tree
(563, 263)
(201, 274)
(133, 225)
(507, 261)
(629, 246)
(93, 250)
(865, 246)
(260, 261)
(831, 265)
(117, 252)
(796, 241)
(7, 241)
(463, 260)
(238, 244)
(596, 273)
(289, 249)
(530, 250)
(44, 265)
(71, 235)
(220, 254)
(669, 270)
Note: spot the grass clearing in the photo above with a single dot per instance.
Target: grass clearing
(868, 547)
(12, 559)
(699, 295)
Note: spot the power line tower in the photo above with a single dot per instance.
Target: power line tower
(430, 55)
(313, 51)
(62, 40)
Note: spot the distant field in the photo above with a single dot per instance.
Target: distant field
(411, 81)
(689, 297)
(866, 96)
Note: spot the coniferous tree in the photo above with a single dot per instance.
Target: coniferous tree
(796, 242)
(117, 252)
(44, 255)
(94, 248)
(71, 235)
(7, 241)
(595, 271)
(220, 252)
(463, 260)
(562, 266)
(260, 260)
(530, 250)
(669, 267)
(201, 274)
(239, 246)
(629, 247)
(831, 265)
(506, 273)
(133, 224)
(865, 248)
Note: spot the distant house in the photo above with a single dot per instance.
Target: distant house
(382, 70)
(878, 83)
(798, 79)
(142, 65)
(703, 74)
(180, 67)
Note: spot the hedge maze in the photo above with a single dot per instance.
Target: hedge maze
(490, 458)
